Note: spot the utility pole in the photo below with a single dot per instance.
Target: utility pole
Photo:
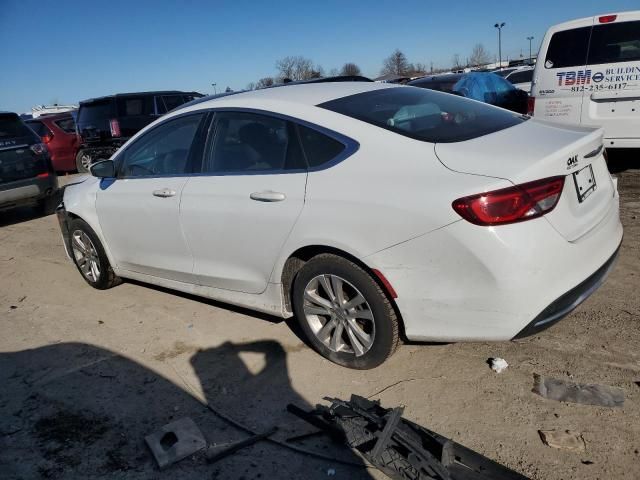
(499, 27)
(530, 55)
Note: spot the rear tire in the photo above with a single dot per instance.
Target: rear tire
(83, 161)
(89, 256)
(344, 312)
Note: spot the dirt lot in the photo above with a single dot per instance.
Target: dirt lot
(86, 374)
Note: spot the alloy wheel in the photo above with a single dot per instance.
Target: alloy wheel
(85, 161)
(339, 315)
(86, 255)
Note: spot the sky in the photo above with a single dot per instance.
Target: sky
(65, 51)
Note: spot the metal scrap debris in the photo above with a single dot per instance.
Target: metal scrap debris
(175, 441)
(586, 394)
(498, 364)
(399, 448)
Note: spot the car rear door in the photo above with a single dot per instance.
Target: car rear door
(239, 212)
(561, 75)
(613, 98)
(139, 211)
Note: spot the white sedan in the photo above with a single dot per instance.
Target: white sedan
(368, 211)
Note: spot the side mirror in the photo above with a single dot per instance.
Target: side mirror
(103, 169)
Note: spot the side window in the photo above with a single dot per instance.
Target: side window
(132, 106)
(615, 42)
(162, 151)
(318, 147)
(568, 48)
(248, 142)
(172, 101)
(67, 125)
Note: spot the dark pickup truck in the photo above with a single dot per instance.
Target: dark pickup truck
(26, 174)
(106, 123)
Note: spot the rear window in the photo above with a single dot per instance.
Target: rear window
(11, 127)
(568, 48)
(40, 128)
(615, 42)
(95, 112)
(425, 114)
(521, 77)
(67, 125)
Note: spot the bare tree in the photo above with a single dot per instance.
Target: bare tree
(350, 69)
(419, 69)
(396, 63)
(251, 86)
(297, 68)
(455, 61)
(479, 55)
(334, 72)
(265, 82)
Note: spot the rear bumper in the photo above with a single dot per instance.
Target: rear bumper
(621, 142)
(27, 191)
(564, 305)
(469, 283)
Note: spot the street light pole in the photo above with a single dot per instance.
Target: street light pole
(215, 92)
(499, 27)
(530, 55)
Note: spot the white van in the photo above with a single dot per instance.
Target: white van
(588, 72)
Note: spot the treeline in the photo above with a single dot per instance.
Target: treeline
(295, 68)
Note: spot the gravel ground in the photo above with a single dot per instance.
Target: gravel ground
(86, 374)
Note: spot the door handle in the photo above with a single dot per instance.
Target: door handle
(164, 193)
(267, 196)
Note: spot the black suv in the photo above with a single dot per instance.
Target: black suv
(26, 174)
(105, 123)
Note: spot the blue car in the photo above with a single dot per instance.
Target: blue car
(482, 86)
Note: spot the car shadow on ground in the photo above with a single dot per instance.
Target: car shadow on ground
(74, 410)
(20, 214)
(623, 159)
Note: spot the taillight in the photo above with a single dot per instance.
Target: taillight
(512, 204)
(607, 18)
(115, 127)
(531, 105)
(39, 148)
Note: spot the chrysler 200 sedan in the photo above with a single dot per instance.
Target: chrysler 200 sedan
(367, 211)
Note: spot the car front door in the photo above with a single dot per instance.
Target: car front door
(239, 212)
(139, 211)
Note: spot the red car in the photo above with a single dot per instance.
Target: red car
(58, 133)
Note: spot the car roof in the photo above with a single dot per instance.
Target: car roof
(302, 93)
(132, 94)
(51, 116)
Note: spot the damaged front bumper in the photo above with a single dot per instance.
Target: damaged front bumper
(65, 221)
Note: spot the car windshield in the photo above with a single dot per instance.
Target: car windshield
(424, 114)
(11, 127)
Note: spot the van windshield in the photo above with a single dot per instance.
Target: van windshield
(424, 114)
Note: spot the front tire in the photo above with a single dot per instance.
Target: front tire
(83, 161)
(344, 312)
(90, 258)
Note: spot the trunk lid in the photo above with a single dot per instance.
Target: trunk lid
(535, 150)
(18, 161)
